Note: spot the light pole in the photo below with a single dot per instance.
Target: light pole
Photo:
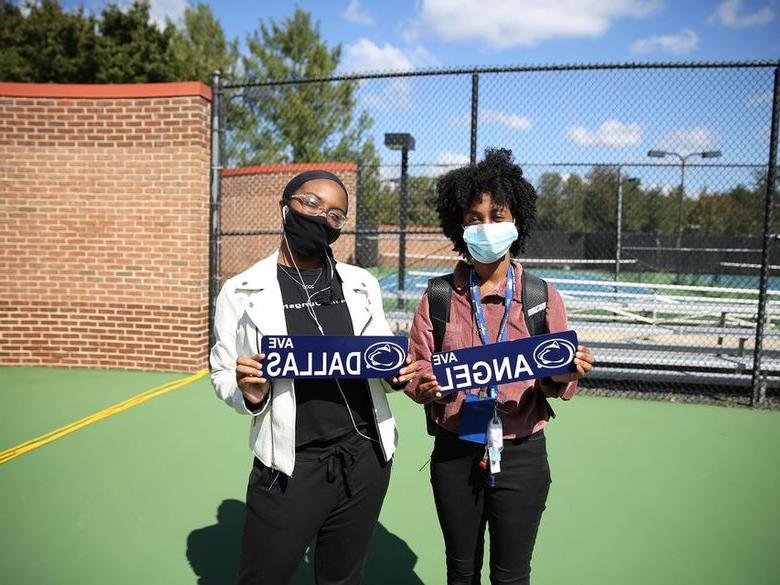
(683, 158)
(619, 219)
(403, 142)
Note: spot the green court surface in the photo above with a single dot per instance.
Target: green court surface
(643, 492)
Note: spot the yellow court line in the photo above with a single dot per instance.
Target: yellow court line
(28, 446)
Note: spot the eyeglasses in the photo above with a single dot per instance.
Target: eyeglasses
(313, 205)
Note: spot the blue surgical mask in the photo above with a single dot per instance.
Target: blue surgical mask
(489, 242)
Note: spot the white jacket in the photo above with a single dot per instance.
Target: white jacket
(250, 306)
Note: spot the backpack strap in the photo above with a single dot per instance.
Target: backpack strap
(439, 296)
(534, 295)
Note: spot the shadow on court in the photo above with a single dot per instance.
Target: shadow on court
(213, 553)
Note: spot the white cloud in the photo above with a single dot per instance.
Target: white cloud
(690, 140)
(357, 15)
(158, 9)
(664, 188)
(495, 117)
(506, 119)
(396, 95)
(421, 57)
(460, 121)
(445, 162)
(728, 14)
(611, 133)
(448, 157)
(172, 9)
(511, 23)
(764, 133)
(681, 43)
(364, 56)
(389, 173)
(367, 56)
(760, 99)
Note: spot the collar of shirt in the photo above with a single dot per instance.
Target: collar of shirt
(460, 281)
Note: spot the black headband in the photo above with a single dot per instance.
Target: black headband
(298, 180)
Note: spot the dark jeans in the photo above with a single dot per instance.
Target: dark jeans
(335, 494)
(512, 509)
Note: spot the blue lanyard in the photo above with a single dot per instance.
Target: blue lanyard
(479, 315)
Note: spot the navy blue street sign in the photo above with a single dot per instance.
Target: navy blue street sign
(332, 356)
(500, 363)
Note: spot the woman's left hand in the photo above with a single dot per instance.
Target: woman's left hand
(405, 374)
(583, 362)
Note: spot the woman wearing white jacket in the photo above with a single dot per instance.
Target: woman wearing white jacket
(322, 448)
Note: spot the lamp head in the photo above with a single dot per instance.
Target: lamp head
(399, 141)
(711, 154)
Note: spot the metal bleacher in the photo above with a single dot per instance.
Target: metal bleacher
(664, 333)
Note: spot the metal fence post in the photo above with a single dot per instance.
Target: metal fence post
(758, 381)
(618, 224)
(474, 115)
(647, 240)
(216, 95)
(403, 225)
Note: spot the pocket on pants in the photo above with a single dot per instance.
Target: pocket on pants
(526, 462)
(537, 436)
(262, 477)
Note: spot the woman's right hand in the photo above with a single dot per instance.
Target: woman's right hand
(429, 388)
(249, 376)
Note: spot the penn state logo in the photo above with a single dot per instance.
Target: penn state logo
(554, 353)
(384, 356)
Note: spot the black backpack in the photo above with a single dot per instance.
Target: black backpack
(533, 291)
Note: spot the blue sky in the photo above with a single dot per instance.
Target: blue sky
(381, 35)
(586, 117)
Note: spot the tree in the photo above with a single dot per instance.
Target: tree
(550, 203)
(298, 122)
(47, 44)
(737, 212)
(13, 63)
(131, 49)
(421, 201)
(200, 47)
(573, 204)
(599, 212)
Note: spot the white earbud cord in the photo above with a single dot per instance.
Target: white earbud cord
(313, 315)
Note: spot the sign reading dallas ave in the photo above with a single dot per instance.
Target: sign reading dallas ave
(500, 363)
(332, 356)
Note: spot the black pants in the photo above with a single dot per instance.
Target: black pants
(512, 509)
(335, 494)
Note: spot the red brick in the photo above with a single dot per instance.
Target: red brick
(89, 280)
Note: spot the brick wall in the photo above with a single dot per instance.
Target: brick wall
(249, 202)
(104, 195)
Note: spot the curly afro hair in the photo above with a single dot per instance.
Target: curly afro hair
(498, 175)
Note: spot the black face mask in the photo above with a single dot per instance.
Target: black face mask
(308, 235)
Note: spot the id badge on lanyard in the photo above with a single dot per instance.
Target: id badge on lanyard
(495, 444)
(478, 417)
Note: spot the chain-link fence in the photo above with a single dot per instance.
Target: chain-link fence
(656, 185)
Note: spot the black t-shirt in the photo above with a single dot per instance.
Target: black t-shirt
(321, 412)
